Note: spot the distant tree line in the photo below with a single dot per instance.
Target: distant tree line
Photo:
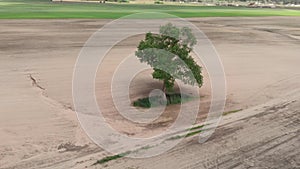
(231, 1)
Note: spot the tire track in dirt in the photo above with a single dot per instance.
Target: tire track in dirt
(248, 142)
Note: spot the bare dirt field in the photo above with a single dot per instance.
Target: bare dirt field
(39, 129)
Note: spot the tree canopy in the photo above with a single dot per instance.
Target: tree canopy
(168, 53)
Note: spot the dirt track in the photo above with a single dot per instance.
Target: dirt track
(38, 128)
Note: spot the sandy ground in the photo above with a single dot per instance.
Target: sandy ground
(39, 129)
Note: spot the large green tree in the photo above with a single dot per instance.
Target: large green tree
(168, 53)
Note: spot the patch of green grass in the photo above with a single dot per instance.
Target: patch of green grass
(193, 133)
(42, 9)
(110, 158)
(189, 134)
(155, 101)
(114, 157)
(185, 136)
(146, 147)
(175, 137)
(196, 127)
(232, 111)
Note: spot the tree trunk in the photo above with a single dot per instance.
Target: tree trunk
(164, 89)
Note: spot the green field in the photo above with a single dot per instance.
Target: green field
(37, 9)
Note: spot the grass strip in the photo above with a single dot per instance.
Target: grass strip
(110, 158)
(45, 9)
(232, 111)
(185, 136)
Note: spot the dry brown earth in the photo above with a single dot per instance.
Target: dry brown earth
(38, 128)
